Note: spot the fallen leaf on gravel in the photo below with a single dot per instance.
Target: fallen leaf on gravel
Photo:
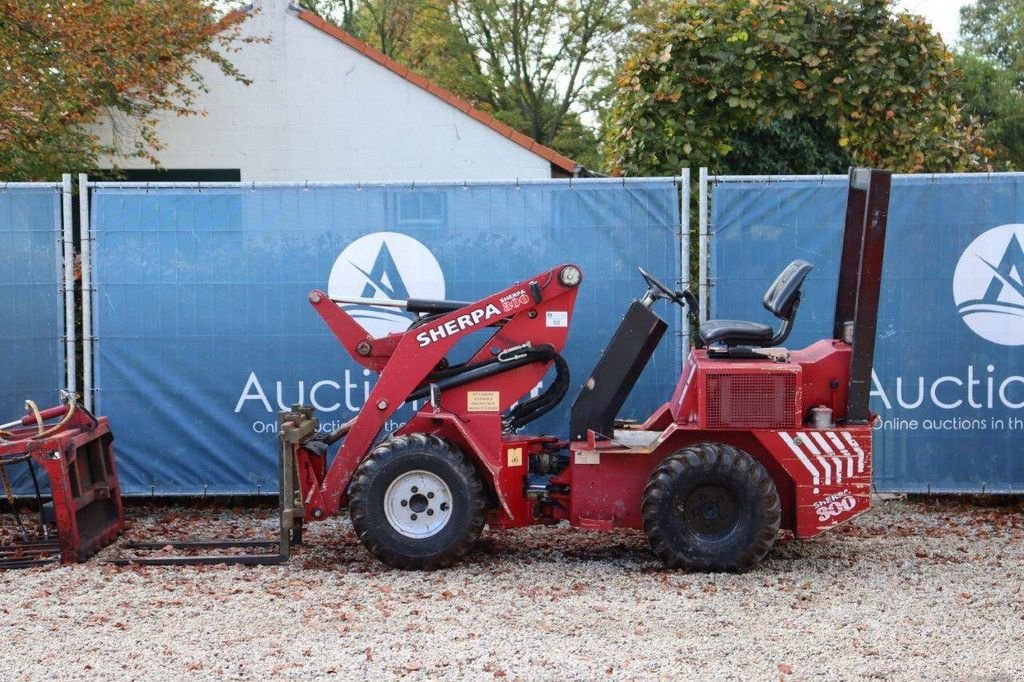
(413, 666)
(785, 669)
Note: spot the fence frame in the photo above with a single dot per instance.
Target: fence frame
(87, 236)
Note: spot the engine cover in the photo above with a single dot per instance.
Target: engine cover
(751, 398)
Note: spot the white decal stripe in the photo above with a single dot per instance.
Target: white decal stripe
(812, 448)
(846, 453)
(801, 456)
(856, 448)
(814, 435)
(832, 455)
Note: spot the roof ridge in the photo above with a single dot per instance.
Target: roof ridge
(563, 162)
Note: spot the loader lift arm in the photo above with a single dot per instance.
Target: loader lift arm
(526, 316)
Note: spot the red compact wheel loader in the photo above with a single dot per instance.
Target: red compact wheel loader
(754, 439)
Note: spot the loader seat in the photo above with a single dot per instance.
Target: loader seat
(781, 299)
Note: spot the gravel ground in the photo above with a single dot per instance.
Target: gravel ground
(912, 590)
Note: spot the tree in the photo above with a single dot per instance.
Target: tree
(65, 66)
(423, 35)
(539, 58)
(537, 65)
(708, 76)
(995, 29)
(988, 93)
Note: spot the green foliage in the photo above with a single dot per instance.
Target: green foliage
(719, 77)
(995, 29)
(579, 142)
(988, 92)
(798, 146)
(65, 65)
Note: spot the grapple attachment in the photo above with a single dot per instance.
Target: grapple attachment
(84, 512)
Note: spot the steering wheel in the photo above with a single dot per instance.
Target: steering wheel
(656, 289)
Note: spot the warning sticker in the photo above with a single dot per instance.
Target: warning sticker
(515, 457)
(483, 401)
(557, 318)
(588, 457)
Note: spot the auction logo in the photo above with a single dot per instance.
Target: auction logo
(388, 266)
(988, 285)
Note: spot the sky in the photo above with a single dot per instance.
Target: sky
(944, 15)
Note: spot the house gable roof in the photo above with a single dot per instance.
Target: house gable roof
(557, 160)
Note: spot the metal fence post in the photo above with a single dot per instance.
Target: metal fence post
(68, 271)
(684, 253)
(702, 267)
(86, 251)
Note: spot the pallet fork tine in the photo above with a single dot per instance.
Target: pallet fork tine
(295, 427)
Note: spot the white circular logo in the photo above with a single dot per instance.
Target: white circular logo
(988, 285)
(386, 266)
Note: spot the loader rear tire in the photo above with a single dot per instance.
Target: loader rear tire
(416, 502)
(711, 507)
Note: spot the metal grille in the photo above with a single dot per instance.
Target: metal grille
(761, 401)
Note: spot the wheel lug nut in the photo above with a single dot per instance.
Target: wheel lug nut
(430, 512)
(413, 517)
(405, 503)
(430, 496)
(415, 489)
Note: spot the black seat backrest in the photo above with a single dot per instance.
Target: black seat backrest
(784, 291)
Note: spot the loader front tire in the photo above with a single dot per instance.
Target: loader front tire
(416, 502)
(711, 507)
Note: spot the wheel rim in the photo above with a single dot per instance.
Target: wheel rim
(418, 504)
(710, 511)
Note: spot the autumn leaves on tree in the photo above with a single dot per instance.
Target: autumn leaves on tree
(64, 66)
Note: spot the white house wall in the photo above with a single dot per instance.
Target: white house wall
(319, 110)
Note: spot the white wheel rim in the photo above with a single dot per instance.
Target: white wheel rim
(418, 504)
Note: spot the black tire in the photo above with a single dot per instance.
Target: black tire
(401, 462)
(711, 507)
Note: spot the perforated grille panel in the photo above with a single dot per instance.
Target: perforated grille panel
(760, 401)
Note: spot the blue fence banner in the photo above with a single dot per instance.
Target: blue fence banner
(204, 331)
(31, 290)
(949, 358)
